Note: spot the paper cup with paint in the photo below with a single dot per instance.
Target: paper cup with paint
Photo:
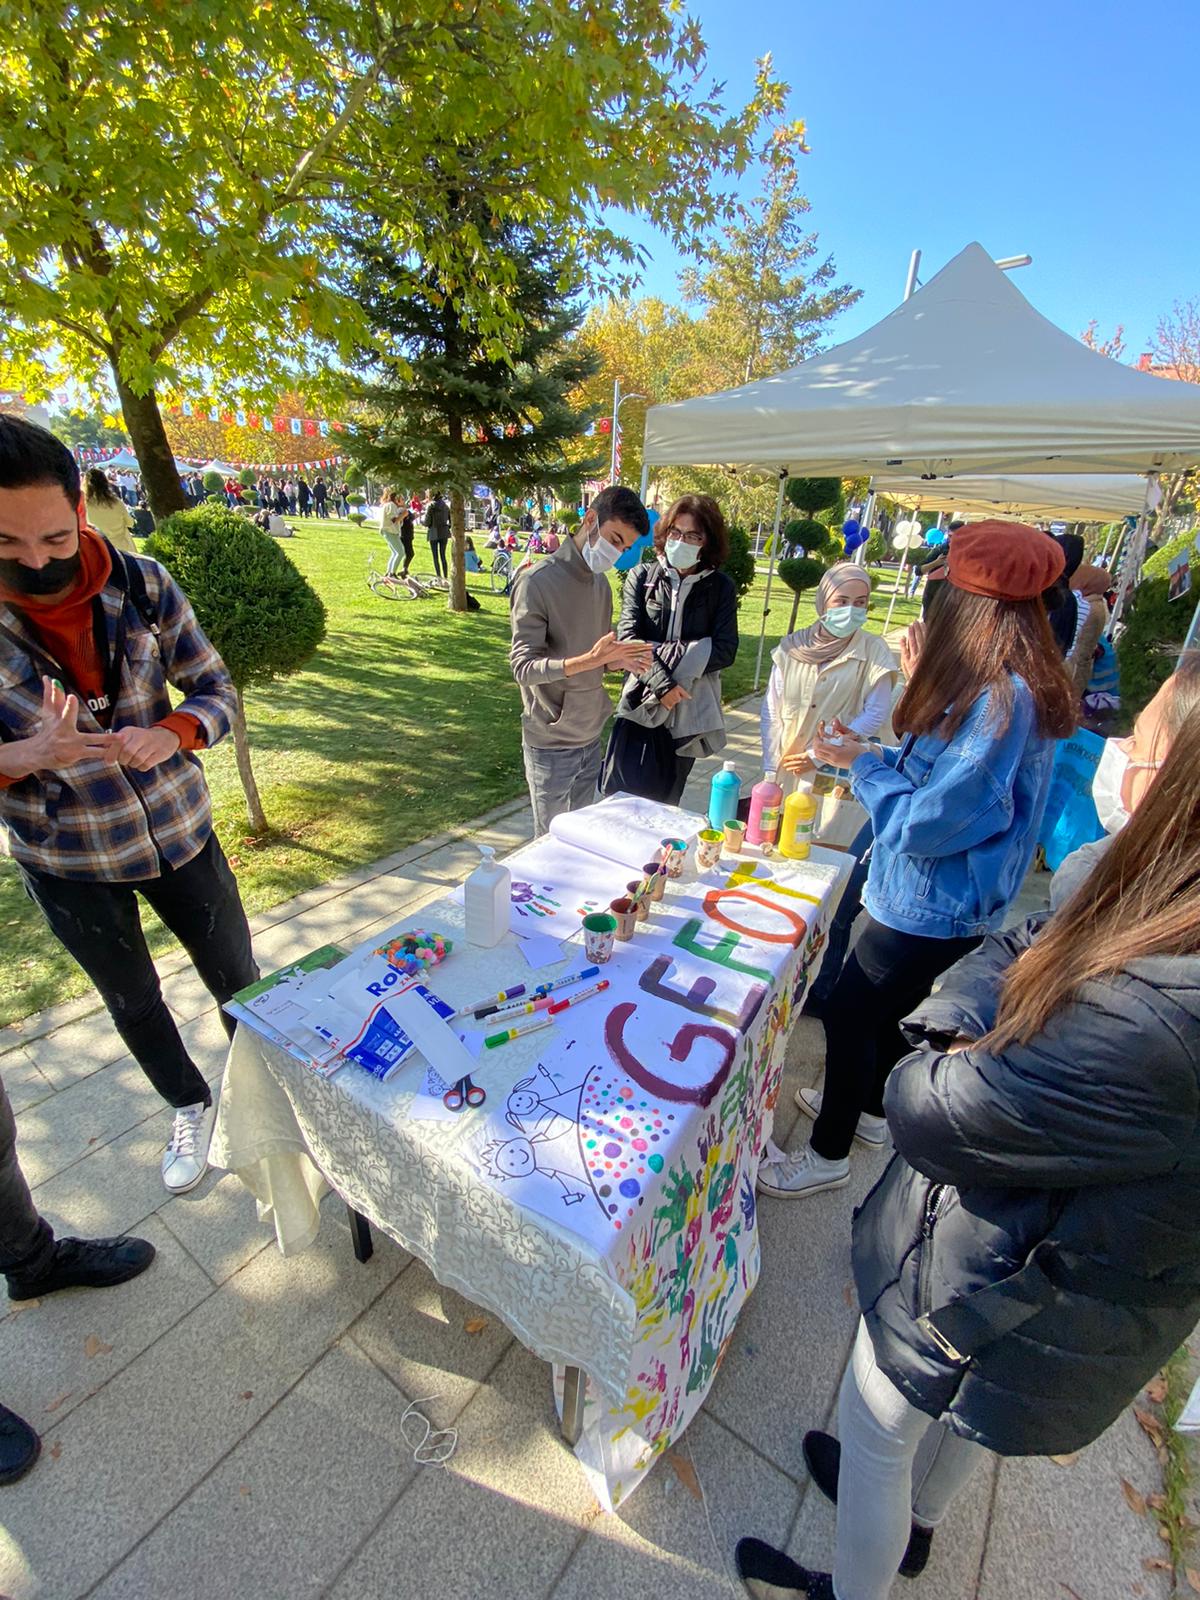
(657, 879)
(675, 855)
(625, 913)
(599, 931)
(735, 832)
(708, 849)
(640, 906)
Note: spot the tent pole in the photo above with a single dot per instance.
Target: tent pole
(1135, 551)
(762, 632)
(899, 579)
(860, 555)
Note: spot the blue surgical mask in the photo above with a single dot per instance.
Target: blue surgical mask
(842, 621)
(680, 554)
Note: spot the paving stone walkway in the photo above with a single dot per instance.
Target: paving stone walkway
(230, 1423)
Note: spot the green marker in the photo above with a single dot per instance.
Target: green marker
(494, 1039)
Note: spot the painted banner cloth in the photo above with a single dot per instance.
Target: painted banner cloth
(601, 1201)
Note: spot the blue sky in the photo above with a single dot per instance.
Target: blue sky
(1064, 129)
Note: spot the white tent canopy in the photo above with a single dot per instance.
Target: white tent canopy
(223, 467)
(964, 377)
(123, 459)
(1083, 497)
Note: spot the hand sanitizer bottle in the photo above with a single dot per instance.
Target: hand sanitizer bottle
(486, 899)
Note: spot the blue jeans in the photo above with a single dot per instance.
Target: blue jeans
(560, 780)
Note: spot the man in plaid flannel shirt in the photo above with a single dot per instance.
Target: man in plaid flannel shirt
(102, 798)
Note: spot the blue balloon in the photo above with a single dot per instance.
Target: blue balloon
(850, 527)
(935, 536)
(853, 540)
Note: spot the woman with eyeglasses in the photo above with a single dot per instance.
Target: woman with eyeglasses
(686, 608)
(831, 671)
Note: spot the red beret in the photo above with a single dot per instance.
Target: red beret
(1003, 560)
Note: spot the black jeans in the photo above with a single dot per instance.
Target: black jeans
(437, 548)
(844, 919)
(885, 976)
(99, 924)
(26, 1239)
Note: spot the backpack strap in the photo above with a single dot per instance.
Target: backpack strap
(128, 576)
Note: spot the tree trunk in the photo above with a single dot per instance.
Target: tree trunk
(241, 746)
(791, 628)
(458, 551)
(144, 425)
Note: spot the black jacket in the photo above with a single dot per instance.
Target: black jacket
(437, 519)
(709, 612)
(1083, 1143)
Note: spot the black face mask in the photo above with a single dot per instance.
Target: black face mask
(55, 575)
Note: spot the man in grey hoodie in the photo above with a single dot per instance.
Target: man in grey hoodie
(562, 644)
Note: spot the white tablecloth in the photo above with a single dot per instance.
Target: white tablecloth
(601, 1204)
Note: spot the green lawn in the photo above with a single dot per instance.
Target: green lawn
(405, 722)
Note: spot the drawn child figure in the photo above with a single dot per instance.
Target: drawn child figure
(518, 1158)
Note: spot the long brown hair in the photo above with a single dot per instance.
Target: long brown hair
(715, 549)
(1141, 899)
(973, 644)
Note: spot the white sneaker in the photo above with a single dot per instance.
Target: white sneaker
(185, 1160)
(870, 1130)
(802, 1174)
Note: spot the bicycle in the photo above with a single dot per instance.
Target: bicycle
(396, 586)
(501, 572)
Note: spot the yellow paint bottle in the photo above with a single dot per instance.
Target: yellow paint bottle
(796, 828)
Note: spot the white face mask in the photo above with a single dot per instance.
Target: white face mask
(599, 554)
(841, 621)
(681, 555)
(1109, 782)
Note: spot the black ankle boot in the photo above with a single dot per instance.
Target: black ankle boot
(86, 1264)
(19, 1446)
(823, 1457)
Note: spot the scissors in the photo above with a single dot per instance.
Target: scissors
(464, 1093)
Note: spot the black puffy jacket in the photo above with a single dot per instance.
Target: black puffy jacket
(709, 612)
(1075, 1157)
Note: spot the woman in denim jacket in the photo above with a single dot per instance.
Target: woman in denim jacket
(955, 812)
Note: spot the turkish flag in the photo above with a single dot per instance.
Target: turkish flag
(310, 427)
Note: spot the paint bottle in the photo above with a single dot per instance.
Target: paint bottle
(487, 895)
(723, 796)
(766, 797)
(799, 817)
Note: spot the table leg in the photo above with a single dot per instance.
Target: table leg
(574, 1390)
(360, 1232)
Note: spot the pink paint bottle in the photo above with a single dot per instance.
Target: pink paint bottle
(766, 797)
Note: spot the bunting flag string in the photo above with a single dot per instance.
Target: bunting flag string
(310, 427)
(87, 456)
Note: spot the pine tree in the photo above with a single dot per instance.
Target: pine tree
(449, 401)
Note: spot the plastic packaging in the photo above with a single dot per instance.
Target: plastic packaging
(766, 797)
(724, 795)
(799, 818)
(487, 895)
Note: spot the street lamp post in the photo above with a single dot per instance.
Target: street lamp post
(619, 400)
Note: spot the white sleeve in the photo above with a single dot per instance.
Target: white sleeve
(875, 708)
(769, 719)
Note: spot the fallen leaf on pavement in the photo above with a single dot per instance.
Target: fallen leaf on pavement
(1134, 1499)
(243, 1488)
(20, 1306)
(54, 1451)
(848, 1295)
(1067, 1460)
(474, 1325)
(60, 1400)
(1155, 1564)
(1149, 1424)
(247, 1394)
(685, 1472)
(1193, 1579)
(93, 1345)
(1156, 1390)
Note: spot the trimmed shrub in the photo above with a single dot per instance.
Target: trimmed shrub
(739, 564)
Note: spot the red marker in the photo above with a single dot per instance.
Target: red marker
(574, 999)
